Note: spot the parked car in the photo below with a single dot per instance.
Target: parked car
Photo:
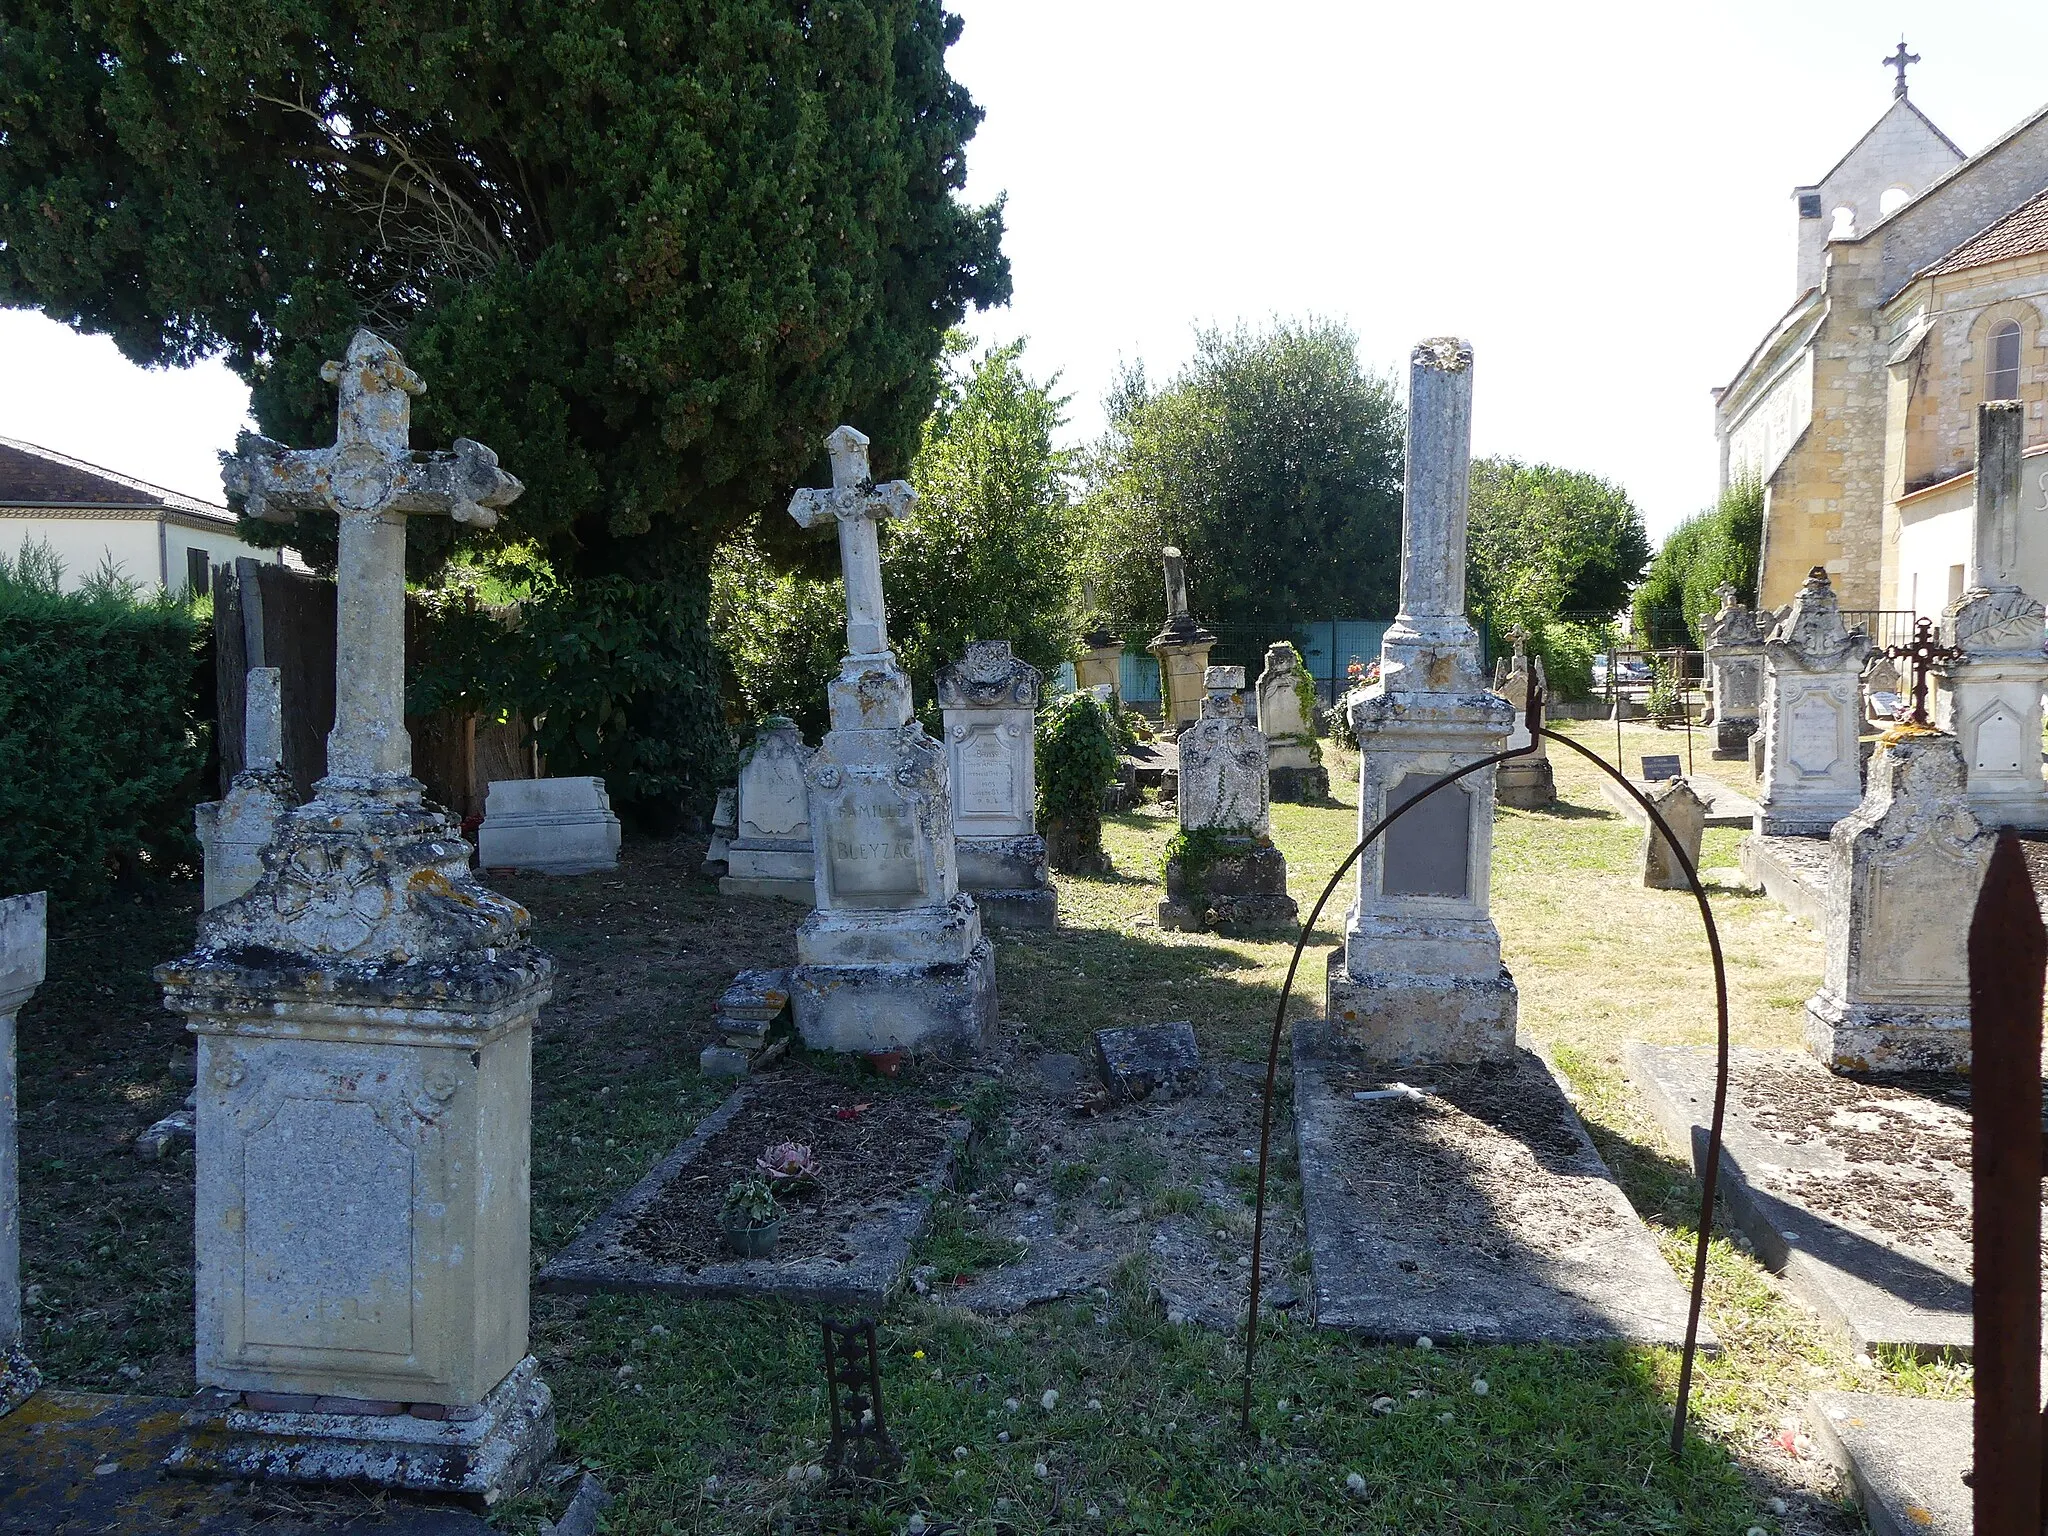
(1628, 670)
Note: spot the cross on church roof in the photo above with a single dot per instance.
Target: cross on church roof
(1899, 61)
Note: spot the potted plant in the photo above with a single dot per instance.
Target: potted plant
(749, 1218)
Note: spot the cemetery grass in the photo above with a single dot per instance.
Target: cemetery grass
(662, 1398)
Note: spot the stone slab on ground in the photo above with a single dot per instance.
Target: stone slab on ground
(1726, 805)
(1152, 760)
(1905, 1457)
(1793, 872)
(53, 1447)
(867, 1269)
(1856, 1190)
(1501, 1226)
(1137, 1062)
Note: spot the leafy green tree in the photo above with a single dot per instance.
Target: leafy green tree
(1723, 544)
(1545, 541)
(651, 252)
(985, 555)
(1273, 461)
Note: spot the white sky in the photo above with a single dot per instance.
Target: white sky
(1597, 195)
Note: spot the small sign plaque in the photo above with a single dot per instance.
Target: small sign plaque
(1659, 768)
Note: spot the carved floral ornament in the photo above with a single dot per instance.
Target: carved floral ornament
(331, 895)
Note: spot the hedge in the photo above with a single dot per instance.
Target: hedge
(100, 753)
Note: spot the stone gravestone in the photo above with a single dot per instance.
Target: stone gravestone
(559, 826)
(1735, 674)
(364, 1018)
(1286, 696)
(1680, 805)
(1239, 876)
(894, 957)
(234, 830)
(1420, 976)
(23, 930)
(1528, 783)
(1991, 697)
(725, 820)
(1903, 874)
(989, 701)
(1182, 648)
(1813, 662)
(770, 850)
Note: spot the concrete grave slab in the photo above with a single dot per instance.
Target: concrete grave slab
(1857, 1191)
(865, 1270)
(1793, 872)
(1476, 1210)
(1905, 1457)
(1726, 805)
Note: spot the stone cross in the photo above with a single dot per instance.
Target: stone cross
(1899, 61)
(858, 505)
(1995, 519)
(1922, 653)
(1176, 584)
(371, 480)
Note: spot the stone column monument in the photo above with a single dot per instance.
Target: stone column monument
(364, 1018)
(234, 830)
(1903, 873)
(1813, 701)
(1286, 698)
(1991, 696)
(1735, 674)
(1528, 783)
(23, 927)
(893, 959)
(990, 700)
(1182, 648)
(1229, 869)
(1102, 651)
(1420, 976)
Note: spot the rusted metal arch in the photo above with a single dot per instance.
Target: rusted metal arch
(1533, 720)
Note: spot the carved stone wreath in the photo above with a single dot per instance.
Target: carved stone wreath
(331, 896)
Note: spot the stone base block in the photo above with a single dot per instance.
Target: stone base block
(1856, 1037)
(1526, 785)
(1244, 886)
(1150, 1058)
(18, 1380)
(1393, 1018)
(1768, 823)
(729, 1060)
(915, 1008)
(1018, 909)
(554, 826)
(1732, 737)
(481, 1459)
(803, 892)
(1304, 785)
(1000, 863)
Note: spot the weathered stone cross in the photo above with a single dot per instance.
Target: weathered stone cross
(371, 479)
(1921, 653)
(858, 505)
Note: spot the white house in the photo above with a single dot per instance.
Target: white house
(89, 516)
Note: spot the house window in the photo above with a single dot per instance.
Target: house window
(195, 573)
(2002, 380)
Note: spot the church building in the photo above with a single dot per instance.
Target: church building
(1922, 285)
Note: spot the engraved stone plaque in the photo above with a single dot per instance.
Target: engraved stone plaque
(327, 1236)
(988, 780)
(2001, 746)
(1428, 851)
(1658, 767)
(872, 854)
(1814, 735)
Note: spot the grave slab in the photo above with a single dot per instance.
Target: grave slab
(862, 1268)
(1477, 1210)
(1727, 806)
(1792, 870)
(82, 1463)
(1905, 1457)
(1137, 1062)
(1857, 1191)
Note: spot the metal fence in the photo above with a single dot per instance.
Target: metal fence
(1327, 646)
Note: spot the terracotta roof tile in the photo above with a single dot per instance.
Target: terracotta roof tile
(2023, 232)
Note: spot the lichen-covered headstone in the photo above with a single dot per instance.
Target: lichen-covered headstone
(1681, 806)
(894, 958)
(364, 1017)
(1904, 870)
(769, 853)
(235, 829)
(988, 701)
(1813, 664)
(1229, 872)
(1286, 695)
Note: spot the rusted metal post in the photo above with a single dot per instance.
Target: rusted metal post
(2008, 960)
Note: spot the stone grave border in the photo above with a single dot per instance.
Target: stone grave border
(599, 1259)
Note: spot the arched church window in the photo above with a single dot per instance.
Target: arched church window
(1845, 224)
(2002, 379)
(1892, 199)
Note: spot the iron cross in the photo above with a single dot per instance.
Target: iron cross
(1921, 653)
(1899, 61)
(370, 478)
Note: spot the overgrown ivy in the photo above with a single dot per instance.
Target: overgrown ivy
(1077, 758)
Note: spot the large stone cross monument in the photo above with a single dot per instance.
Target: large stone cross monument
(1420, 976)
(1991, 695)
(364, 1016)
(893, 958)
